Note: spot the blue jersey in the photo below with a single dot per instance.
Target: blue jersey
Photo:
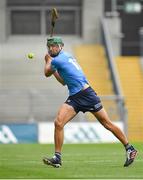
(70, 71)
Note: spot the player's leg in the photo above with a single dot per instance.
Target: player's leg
(104, 119)
(65, 114)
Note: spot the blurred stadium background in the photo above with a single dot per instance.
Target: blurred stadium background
(106, 37)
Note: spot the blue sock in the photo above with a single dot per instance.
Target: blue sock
(58, 155)
(128, 146)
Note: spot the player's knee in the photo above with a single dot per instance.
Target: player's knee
(59, 124)
(108, 125)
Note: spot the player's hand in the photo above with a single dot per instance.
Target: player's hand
(48, 58)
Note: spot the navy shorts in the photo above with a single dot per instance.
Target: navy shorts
(85, 100)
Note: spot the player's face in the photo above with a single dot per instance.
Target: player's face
(54, 50)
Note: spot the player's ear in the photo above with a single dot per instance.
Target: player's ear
(60, 46)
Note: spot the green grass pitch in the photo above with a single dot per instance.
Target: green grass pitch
(80, 161)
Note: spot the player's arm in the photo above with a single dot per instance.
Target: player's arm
(58, 77)
(48, 71)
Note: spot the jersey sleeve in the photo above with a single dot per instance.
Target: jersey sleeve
(55, 64)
